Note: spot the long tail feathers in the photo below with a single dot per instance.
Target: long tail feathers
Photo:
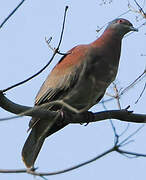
(35, 141)
(31, 149)
(36, 138)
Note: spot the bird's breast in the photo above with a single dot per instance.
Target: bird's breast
(92, 85)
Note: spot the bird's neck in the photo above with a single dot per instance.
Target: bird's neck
(109, 43)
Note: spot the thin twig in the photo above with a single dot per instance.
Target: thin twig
(128, 142)
(113, 126)
(131, 135)
(53, 49)
(117, 95)
(139, 78)
(141, 94)
(36, 74)
(141, 11)
(131, 153)
(8, 17)
(73, 167)
(57, 172)
(125, 130)
(127, 156)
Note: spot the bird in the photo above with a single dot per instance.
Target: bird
(79, 79)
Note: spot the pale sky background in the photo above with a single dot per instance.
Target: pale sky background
(24, 51)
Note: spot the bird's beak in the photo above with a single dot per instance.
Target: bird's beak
(131, 28)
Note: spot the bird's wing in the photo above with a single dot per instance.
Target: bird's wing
(63, 76)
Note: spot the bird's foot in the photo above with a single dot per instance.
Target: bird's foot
(89, 117)
(60, 122)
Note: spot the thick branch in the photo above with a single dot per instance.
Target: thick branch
(122, 115)
(85, 117)
(12, 107)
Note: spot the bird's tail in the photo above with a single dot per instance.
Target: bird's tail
(36, 138)
(34, 143)
(31, 149)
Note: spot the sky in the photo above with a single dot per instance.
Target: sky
(24, 51)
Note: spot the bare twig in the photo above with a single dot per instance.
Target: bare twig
(131, 153)
(48, 41)
(141, 11)
(125, 130)
(141, 94)
(112, 125)
(8, 17)
(131, 135)
(73, 167)
(117, 95)
(138, 79)
(135, 82)
(61, 171)
(41, 70)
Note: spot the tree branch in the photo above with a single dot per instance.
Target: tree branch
(8, 17)
(85, 117)
(42, 69)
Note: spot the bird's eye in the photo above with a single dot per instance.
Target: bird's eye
(120, 21)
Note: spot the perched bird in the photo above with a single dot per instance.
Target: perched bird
(80, 79)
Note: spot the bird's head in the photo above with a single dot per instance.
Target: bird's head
(121, 26)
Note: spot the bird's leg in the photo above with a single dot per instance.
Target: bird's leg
(60, 122)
